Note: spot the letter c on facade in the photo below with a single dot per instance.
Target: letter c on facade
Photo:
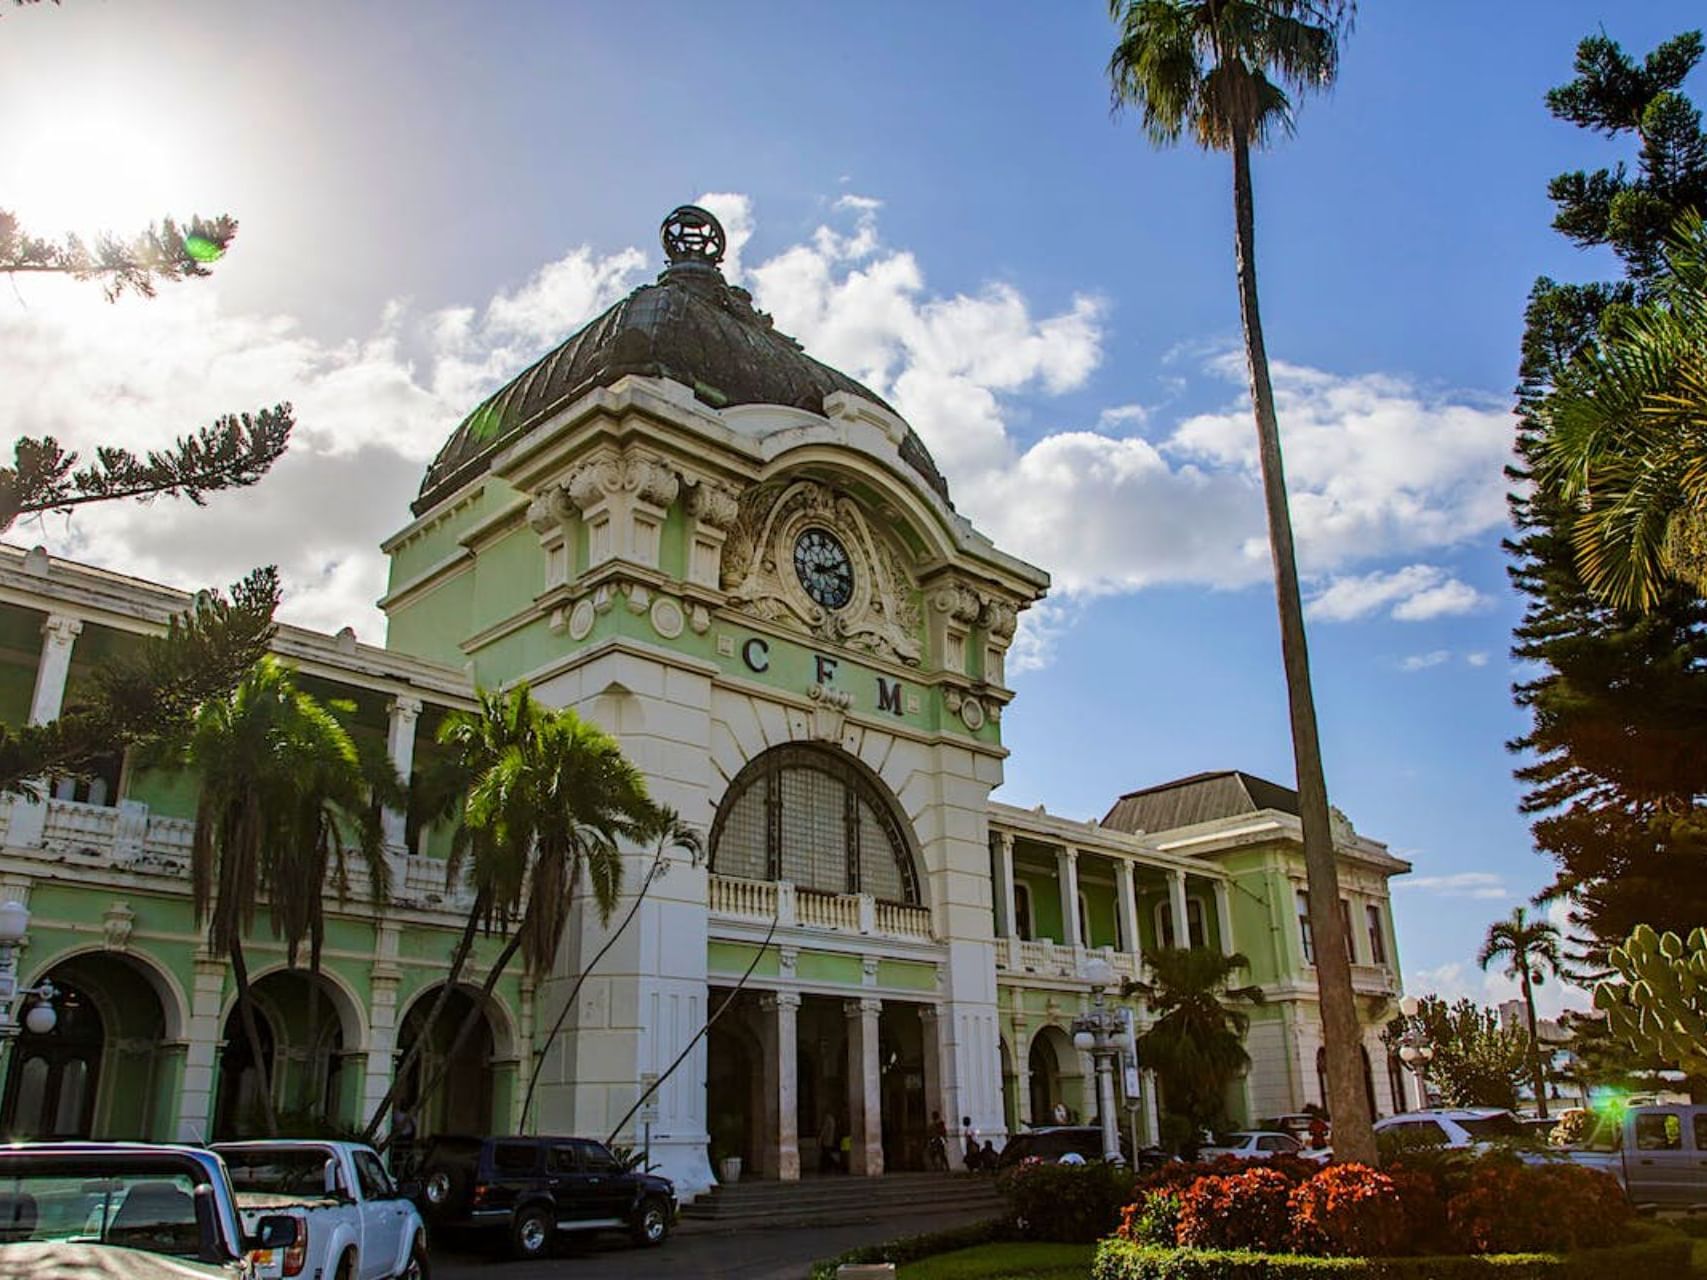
(756, 654)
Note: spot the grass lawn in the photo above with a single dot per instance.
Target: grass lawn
(1016, 1261)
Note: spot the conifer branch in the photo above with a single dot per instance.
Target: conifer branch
(159, 253)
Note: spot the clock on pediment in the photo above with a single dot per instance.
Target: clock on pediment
(802, 553)
(825, 572)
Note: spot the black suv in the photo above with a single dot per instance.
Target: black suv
(1061, 1142)
(526, 1189)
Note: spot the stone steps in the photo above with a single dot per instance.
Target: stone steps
(826, 1201)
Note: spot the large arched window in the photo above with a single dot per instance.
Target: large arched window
(811, 816)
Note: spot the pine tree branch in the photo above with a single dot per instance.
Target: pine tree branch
(162, 252)
(236, 451)
(151, 692)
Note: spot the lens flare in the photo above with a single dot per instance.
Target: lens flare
(202, 249)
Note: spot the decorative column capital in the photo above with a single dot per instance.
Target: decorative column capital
(61, 628)
(1070, 853)
(1006, 840)
(866, 1007)
(777, 1001)
(404, 707)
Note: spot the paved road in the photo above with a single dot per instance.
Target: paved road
(697, 1251)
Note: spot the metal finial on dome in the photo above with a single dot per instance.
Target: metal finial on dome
(692, 234)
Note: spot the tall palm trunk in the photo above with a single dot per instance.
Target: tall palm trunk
(252, 1032)
(476, 1011)
(458, 961)
(1538, 1075)
(1354, 1136)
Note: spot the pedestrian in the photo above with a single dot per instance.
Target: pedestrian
(969, 1143)
(936, 1144)
(1061, 1115)
(987, 1157)
(828, 1149)
(402, 1148)
(1318, 1132)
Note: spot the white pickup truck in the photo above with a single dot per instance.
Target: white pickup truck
(1658, 1151)
(354, 1224)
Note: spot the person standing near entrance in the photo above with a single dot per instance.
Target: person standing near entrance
(969, 1143)
(936, 1144)
(829, 1156)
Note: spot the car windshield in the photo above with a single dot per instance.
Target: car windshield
(147, 1208)
(1501, 1125)
(288, 1171)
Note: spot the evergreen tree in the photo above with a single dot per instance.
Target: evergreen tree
(156, 255)
(1617, 747)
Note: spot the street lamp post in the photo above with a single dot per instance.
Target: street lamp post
(1414, 1049)
(41, 1016)
(1097, 1032)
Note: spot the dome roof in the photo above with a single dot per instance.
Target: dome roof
(692, 327)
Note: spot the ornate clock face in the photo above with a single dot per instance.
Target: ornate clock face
(824, 568)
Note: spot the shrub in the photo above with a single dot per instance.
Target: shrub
(1425, 1210)
(1236, 1211)
(1512, 1207)
(1151, 1219)
(1071, 1203)
(1348, 1210)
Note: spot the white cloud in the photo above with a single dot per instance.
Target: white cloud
(1462, 884)
(1423, 661)
(1415, 593)
(1476, 659)
(1462, 979)
(1381, 469)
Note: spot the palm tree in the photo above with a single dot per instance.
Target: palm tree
(1221, 70)
(1197, 1043)
(284, 800)
(1626, 442)
(1531, 951)
(550, 799)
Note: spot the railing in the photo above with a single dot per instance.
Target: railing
(1373, 979)
(854, 913)
(127, 837)
(901, 921)
(1046, 958)
(827, 911)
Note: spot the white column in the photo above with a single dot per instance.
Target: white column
(1005, 907)
(1152, 1109)
(1224, 916)
(59, 633)
(1067, 873)
(865, 1098)
(1176, 901)
(1125, 880)
(400, 746)
(780, 1146)
(201, 1058)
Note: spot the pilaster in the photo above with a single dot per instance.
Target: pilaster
(779, 1156)
(400, 747)
(865, 1101)
(1067, 871)
(1176, 904)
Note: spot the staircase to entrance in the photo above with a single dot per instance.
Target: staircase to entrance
(826, 1201)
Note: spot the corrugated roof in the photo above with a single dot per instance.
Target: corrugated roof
(1203, 797)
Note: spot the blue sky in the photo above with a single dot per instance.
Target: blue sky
(938, 199)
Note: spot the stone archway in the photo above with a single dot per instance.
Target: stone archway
(471, 1093)
(102, 1072)
(311, 1036)
(1056, 1080)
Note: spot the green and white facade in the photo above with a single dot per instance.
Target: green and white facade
(745, 567)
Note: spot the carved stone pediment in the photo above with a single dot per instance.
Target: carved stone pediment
(882, 614)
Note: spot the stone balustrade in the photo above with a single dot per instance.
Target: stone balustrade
(127, 837)
(1045, 958)
(854, 913)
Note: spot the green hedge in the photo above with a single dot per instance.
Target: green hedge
(1658, 1254)
(912, 1248)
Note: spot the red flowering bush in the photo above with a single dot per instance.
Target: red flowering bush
(1236, 1211)
(1348, 1210)
(1510, 1207)
(1067, 1202)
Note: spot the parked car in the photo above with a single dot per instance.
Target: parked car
(524, 1190)
(1658, 1152)
(352, 1221)
(130, 1210)
(1251, 1144)
(1475, 1127)
(1071, 1144)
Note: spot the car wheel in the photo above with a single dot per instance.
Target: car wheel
(347, 1267)
(652, 1223)
(530, 1235)
(418, 1268)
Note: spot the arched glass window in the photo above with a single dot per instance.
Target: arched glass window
(811, 816)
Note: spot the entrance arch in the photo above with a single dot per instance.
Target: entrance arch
(309, 1027)
(468, 1097)
(1055, 1076)
(101, 1072)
